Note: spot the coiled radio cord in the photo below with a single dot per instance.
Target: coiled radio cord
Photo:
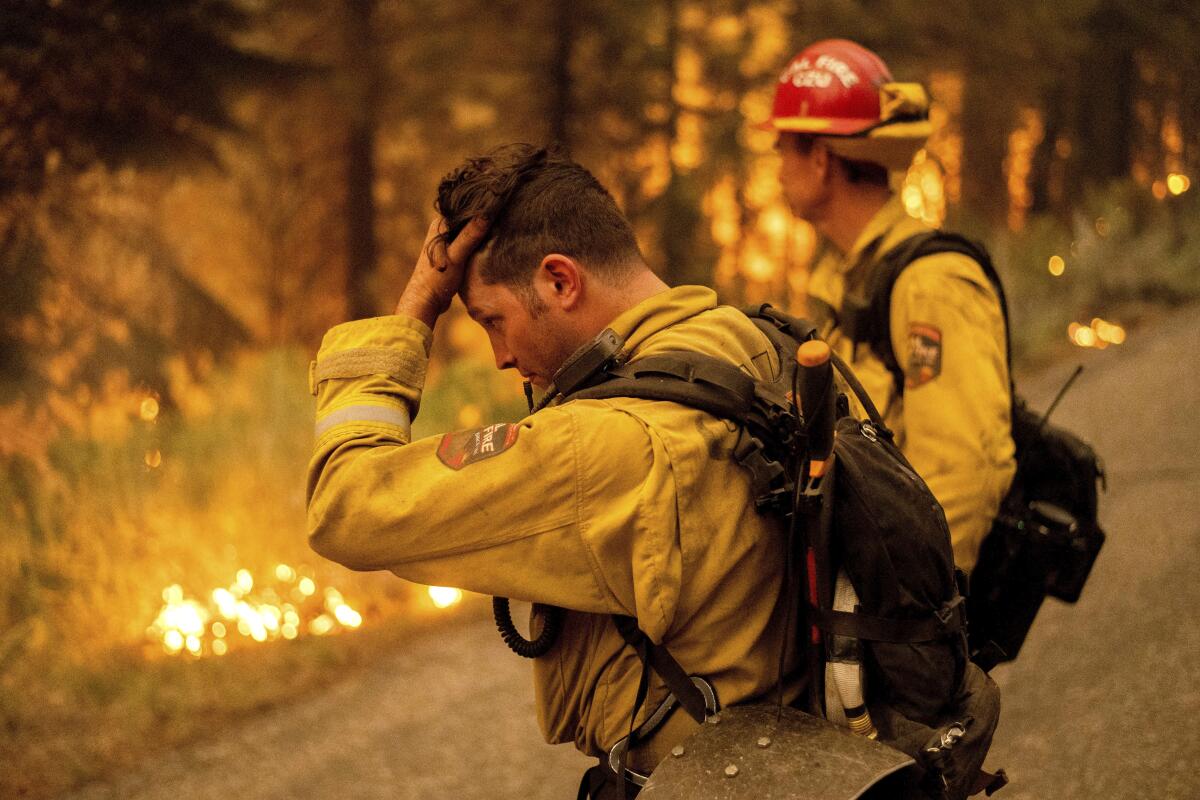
(552, 618)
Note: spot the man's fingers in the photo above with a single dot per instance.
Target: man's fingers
(441, 256)
(434, 249)
(437, 255)
(467, 241)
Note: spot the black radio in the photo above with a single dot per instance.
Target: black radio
(1044, 541)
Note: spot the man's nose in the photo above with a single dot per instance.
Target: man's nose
(504, 359)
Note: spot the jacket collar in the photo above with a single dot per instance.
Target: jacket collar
(888, 225)
(661, 311)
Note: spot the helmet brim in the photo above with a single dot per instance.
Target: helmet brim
(822, 126)
(892, 144)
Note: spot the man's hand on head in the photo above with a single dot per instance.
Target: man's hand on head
(439, 270)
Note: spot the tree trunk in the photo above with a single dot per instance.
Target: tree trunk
(1106, 121)
(985, 124)
(363, 79)
(1047, 172)
(562, 110)
(678, 213)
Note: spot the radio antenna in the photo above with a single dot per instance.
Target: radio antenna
(1059, 396)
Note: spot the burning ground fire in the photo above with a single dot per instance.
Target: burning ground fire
(290, 607)
(286, 609)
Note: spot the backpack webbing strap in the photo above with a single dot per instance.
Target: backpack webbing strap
(771, 320)
(709, 399)
(698, 381)
(950, 619)
(657, 657)
(717, 388)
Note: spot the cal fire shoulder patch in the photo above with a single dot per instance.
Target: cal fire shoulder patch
(457, 450)
(924, 354)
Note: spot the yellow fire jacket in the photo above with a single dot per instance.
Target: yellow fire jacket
(619, 506)
(947, 331)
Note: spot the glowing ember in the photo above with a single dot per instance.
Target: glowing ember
(444, 596)
(1178, 183)
(198, 628)
(1080, 335)
(187, 617)
(149, 409)
(245, 581)
(347, 616)
(1099, 335)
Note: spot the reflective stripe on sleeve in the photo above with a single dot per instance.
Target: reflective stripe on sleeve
(392, 415)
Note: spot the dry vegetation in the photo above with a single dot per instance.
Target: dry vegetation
(85, 688)
(158, 312)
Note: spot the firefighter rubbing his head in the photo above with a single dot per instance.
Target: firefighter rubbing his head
(937, 365)
(606, 507)
(560, 264)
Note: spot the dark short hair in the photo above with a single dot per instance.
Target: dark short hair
(538, 201)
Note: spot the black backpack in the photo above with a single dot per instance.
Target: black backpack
(862, 524)
(1047, 534)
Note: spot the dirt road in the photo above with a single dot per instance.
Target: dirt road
(1103, 702)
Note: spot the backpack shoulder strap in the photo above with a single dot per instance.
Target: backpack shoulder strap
(871, 320)
(692, 379)
(718, 388)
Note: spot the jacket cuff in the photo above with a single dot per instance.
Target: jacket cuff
(395, 347)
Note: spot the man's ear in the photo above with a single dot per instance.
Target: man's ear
(822, 160)
(560, 281)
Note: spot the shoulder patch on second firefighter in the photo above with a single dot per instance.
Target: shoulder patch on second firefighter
(924, 354)
(457, 450)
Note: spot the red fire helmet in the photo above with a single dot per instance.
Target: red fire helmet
(843, 92)
(830, 88)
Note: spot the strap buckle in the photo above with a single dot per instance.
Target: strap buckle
(953, 615)
(617, 753)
